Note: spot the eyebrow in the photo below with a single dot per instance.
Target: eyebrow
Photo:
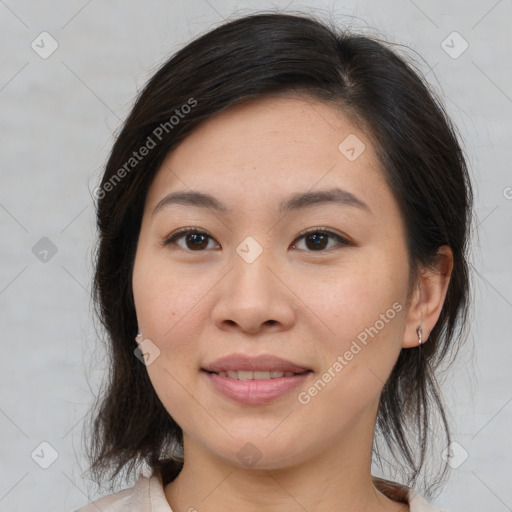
(293, 203)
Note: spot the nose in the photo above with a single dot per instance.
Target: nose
(254, 298)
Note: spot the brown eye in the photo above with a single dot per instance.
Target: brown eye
(190, 240)
(317, 240)
(196, 241)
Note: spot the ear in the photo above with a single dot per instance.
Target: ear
(428, 298)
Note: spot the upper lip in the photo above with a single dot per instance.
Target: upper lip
(253, 363)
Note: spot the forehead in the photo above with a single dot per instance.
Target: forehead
(269, 147)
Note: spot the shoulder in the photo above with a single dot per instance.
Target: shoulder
(402, 494)
(418, 504)
(147, 495)
(122, 500)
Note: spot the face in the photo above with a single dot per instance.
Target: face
(297, 263)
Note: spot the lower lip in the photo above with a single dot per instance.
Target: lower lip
(256, 392)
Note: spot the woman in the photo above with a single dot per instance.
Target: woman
(281, 267)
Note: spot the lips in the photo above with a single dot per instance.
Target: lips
(244, 367)
(257, 375)
(255, 380)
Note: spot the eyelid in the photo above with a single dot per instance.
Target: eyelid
(315, 230)
(343, 240)
(186, 231)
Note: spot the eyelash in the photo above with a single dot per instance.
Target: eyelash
(312, 231)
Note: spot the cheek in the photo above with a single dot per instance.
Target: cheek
(362, 305)
(168, 297)
(169, 311)
(353, 297)
(365, 316)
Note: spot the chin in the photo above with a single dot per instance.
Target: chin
(258, 452)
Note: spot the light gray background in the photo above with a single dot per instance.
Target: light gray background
(58, 116)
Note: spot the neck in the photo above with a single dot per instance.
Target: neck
(337, 479)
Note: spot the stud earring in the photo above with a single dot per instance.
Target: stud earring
(419, 332)
(138, 337)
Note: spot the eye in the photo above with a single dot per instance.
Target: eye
(193, 239)
(317, 240)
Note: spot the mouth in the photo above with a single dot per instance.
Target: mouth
(255, 380)
(257, 375)
(246, 367)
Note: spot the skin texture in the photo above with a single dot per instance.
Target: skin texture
(293, 301)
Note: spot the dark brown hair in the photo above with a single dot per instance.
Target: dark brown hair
(423, 163)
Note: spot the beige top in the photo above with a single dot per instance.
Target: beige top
(147, 495)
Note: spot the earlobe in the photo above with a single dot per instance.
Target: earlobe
(428, 299)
